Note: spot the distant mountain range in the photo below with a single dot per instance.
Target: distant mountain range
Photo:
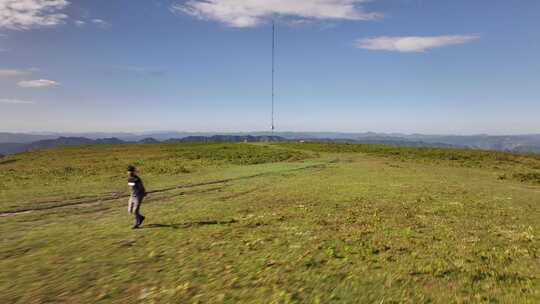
(12, 148)
(11, 143)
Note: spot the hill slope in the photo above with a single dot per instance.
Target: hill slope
(271, 223)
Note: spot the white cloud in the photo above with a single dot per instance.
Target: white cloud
(40, 83)
(14, 72)
(101, 23)
(15, 101)
(249, 13)
(27, 14)
(413, 43)
(80, 23)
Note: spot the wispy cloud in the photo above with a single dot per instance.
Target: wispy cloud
(241, 13)
(140, 71)
(39, 83)
(15, 101)
(96, 21)
(409, 44)
(28, 14)
(101, 23)
(15, 72)
(2, 36)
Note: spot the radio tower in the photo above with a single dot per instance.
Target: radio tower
(273, 70)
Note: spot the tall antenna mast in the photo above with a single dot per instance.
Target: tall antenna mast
(273, 69)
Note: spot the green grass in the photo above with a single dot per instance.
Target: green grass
(464, 157)
(293, 223)
(68, 172)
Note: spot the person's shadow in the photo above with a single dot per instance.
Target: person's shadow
(188, 224)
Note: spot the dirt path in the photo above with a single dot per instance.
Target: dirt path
(116, 196)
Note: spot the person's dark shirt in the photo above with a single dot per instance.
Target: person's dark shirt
(136, 185)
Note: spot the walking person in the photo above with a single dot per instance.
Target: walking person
(137, 195)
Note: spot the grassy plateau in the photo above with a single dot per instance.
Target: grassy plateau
(270, 223)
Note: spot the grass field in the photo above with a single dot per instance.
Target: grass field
(271, 223)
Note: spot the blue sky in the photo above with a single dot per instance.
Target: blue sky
(408, 66)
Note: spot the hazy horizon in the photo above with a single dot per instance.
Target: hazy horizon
(150, 132)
